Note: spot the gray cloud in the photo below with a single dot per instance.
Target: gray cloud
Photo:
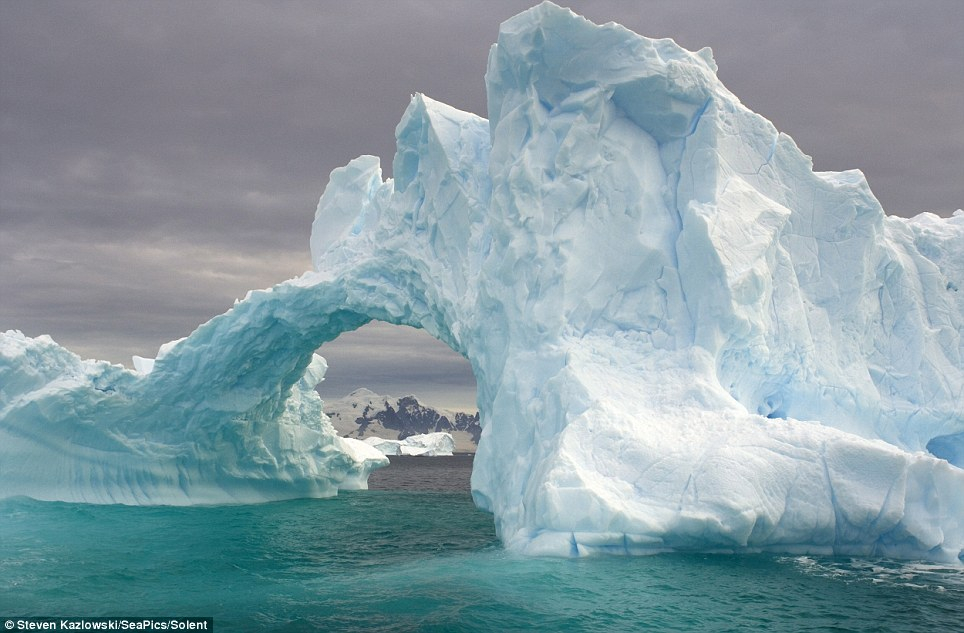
(157, 160)
(398, 361)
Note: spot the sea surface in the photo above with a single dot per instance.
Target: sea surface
(414, 554)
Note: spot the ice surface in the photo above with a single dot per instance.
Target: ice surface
(427, 444)
(683, 336)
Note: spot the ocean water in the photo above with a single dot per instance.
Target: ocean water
(414, 554)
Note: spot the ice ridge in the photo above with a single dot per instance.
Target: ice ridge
(683, 336)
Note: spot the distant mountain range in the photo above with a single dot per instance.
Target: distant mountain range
(363, 413)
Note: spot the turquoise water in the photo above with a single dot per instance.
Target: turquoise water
(415, 560)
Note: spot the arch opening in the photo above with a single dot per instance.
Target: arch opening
(398, 383)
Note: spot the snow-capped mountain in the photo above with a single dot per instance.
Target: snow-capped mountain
(363, 414)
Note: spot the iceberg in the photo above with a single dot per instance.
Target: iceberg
(89, 431)
(427, 445)
(683, 336)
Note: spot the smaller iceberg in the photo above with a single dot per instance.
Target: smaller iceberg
(427, 445)
(172, 432)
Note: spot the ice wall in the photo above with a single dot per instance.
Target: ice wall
(683, 336)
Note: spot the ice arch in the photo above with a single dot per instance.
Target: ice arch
(683, 336)
(228, 414)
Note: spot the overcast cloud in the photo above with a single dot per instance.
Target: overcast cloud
(159, 159)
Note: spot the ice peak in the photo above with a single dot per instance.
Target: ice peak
(551, 56)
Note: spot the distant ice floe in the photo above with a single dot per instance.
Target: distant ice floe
(427, 445)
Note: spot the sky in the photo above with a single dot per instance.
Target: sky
(160, 159)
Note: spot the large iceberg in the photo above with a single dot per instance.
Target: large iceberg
(683, 336)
